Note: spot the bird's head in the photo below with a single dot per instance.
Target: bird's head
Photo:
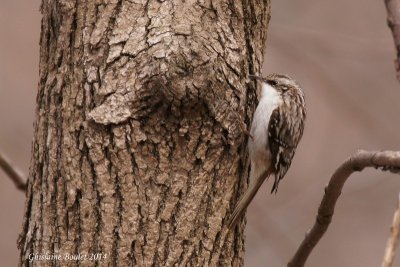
(280, 82)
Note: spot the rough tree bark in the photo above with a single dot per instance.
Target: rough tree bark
(137, 153)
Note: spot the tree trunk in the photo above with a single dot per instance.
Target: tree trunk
(138, 158)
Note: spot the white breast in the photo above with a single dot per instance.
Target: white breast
(258, 146)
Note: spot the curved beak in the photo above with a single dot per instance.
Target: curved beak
(256, 77)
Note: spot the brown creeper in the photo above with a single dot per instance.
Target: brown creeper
(276, 130)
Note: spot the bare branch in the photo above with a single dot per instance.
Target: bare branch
(387, 161)
(393, 20)
(393, 238)
(12, 173)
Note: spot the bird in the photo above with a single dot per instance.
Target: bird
(276, 129)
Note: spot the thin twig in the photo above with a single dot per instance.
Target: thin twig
(393, 20)
(387, 161)
(393, 240)
(12, 173)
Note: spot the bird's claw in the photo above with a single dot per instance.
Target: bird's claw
(245, 131)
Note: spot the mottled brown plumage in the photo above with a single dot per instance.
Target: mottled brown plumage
(277, 128)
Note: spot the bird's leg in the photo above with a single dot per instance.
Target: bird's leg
(243, 127)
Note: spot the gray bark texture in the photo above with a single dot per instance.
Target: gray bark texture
(138, 154)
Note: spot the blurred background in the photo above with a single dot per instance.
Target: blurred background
(341, 52)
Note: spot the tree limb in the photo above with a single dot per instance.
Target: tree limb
(393, 238)
(393, 20)
(387, 161)
(12, 173)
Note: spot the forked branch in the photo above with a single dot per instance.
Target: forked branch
(12, 173)
(386, 161)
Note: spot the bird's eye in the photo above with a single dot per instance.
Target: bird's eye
(272, 82)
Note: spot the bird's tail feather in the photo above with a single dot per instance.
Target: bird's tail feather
(247, 198)
(275, 186)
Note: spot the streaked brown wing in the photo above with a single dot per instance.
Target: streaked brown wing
(283, 137)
